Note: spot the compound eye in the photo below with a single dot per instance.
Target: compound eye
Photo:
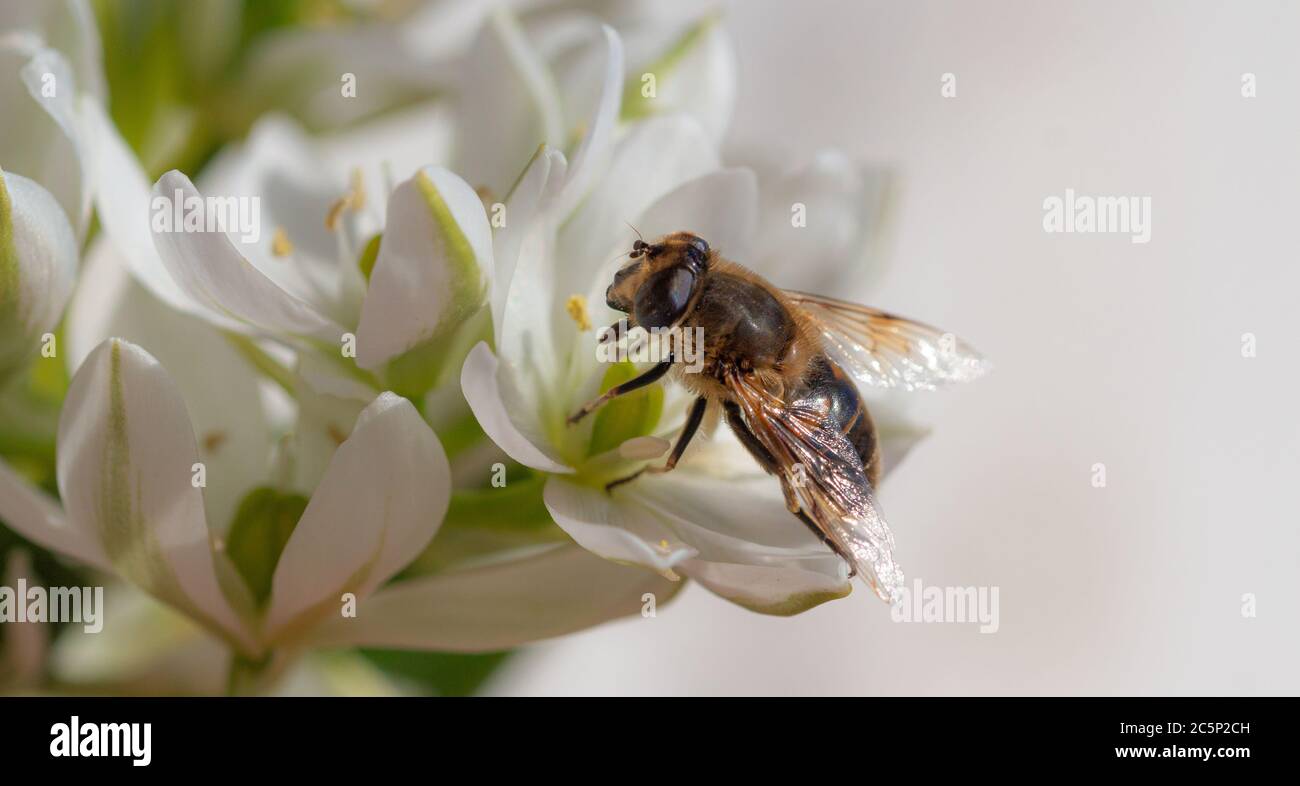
(698, 250)
(663, 298)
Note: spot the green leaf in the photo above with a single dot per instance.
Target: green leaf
(263, 523)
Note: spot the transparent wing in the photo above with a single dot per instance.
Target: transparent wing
(829, 485)
(884, 350)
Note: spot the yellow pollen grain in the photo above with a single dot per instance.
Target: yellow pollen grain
(576, 306)
(281, 245)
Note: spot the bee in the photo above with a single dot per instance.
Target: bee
(782, 366)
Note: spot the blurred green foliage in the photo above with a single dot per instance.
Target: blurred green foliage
(439, 673)
(174, 68)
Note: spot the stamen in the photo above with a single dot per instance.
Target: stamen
(281, 245)
(576, 306)
(335, 211)
(358, 195)
(354, 200)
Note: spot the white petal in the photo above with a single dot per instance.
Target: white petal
(125, 466)
(532, 319)
(234, 435)
(740, 519)
(122, 197)
(432, 270)
(695, 73)
(278, 165)
(499, 606)
(391, 147)
(37, 267)
(612, 528)
(326, 415)
(721, 207)
(51, 86)
(508, 106)
(845, 208)
(656, 156)
(593, 154)
(480, 381)
(734, 535)
(299, 69)
(211, 271)
(379, 504)
(778, 590)
(33, 514)
(144, 648)
(536, 188)
(67, 26)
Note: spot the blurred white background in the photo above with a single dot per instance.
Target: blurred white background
(1104, 351)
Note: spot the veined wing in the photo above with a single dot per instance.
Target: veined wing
(884, 350)
(826, 475)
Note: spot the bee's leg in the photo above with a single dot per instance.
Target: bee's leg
(651, 376)
(693, 420)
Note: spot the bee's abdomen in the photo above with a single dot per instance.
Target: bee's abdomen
(744, 322)
(830, 390)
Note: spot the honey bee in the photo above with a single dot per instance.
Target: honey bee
(782, 366)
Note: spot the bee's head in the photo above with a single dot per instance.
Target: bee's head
(658, 285)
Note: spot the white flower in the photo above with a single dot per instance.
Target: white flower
(718, 518)
(127, 467)
(534, 79)
(49, 81)
(473, 607)
(390, 61)
(334, 268)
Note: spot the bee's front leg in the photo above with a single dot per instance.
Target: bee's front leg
(650, 377)
(693, 420)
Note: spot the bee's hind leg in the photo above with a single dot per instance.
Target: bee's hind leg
(693, 420)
